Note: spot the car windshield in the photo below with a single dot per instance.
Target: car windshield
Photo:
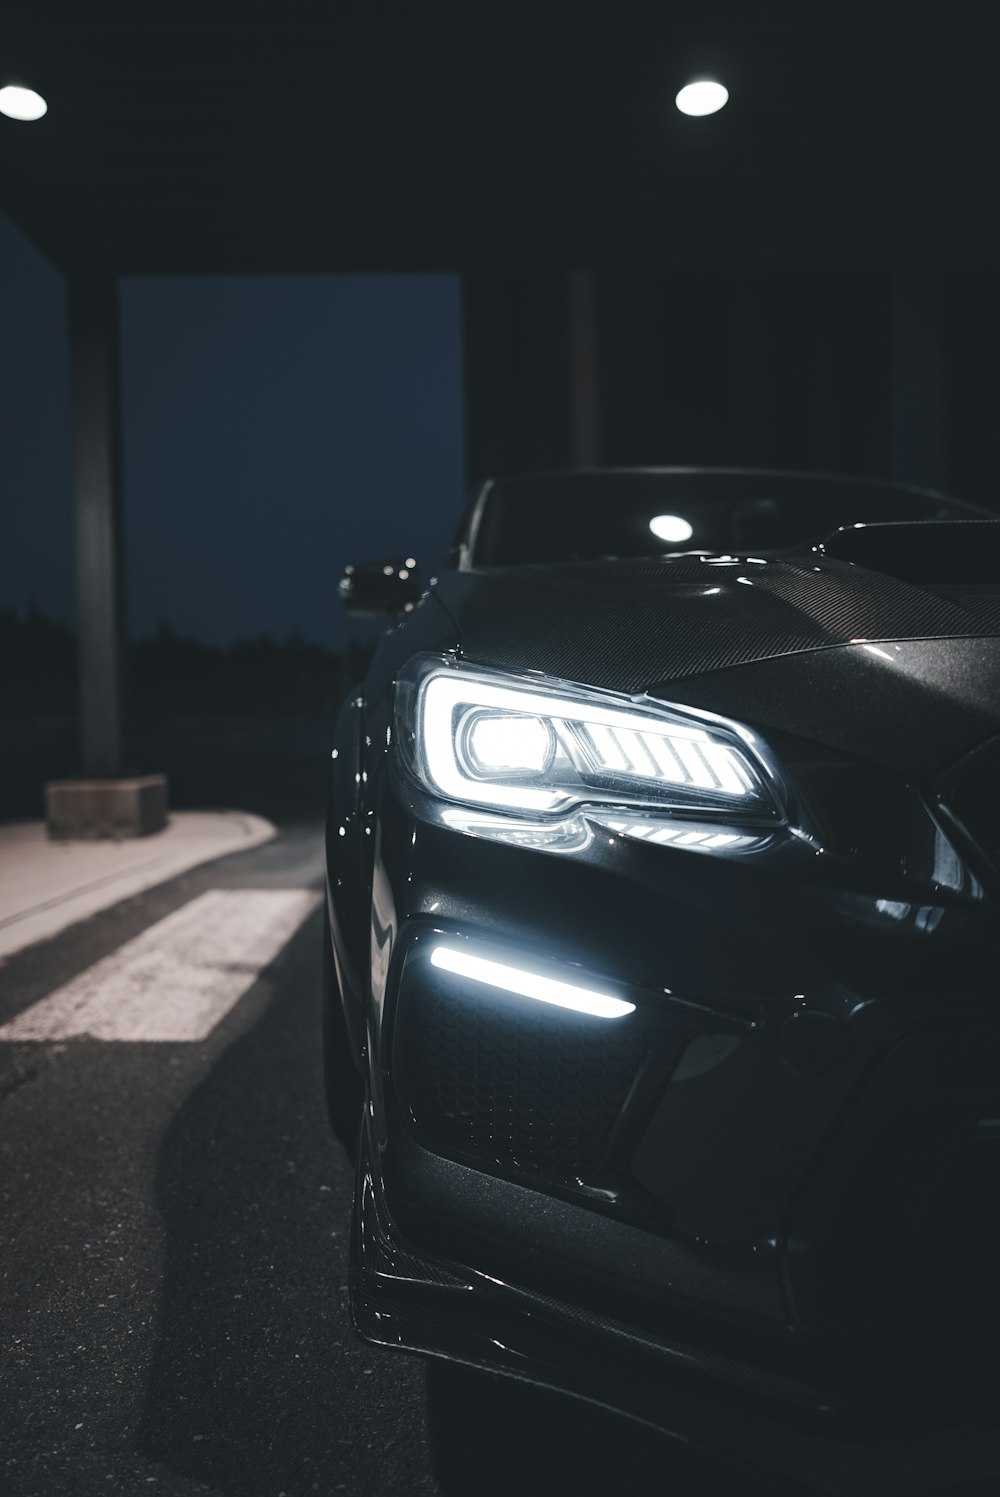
(553, 517)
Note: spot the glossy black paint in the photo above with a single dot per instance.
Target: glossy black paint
(632, 625)
(793, 1205)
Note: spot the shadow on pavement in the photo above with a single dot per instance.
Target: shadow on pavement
(258, 1385)
(492, 1436)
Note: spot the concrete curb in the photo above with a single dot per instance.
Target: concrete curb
(46, 886)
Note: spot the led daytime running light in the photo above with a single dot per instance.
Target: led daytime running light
(529, 984)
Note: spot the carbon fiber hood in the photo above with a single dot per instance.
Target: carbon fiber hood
(795, 643)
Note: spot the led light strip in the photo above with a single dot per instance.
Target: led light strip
(680, 835)
(529, 984)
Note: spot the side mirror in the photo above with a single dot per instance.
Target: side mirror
(380, 589)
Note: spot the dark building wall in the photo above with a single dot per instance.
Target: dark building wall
(870, 373)
(664, 389)
(971, 337)
(831, 387)
(516, 353)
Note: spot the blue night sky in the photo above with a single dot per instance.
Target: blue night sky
(274, 428)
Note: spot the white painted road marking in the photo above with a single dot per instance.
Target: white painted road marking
(179, 978)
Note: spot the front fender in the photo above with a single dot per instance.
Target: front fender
(348, 868)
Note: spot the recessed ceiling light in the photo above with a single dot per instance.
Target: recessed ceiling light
(19, 103)
(702, 96)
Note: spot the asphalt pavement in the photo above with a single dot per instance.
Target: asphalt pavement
(174, 1221)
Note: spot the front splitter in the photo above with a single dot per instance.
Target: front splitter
(792, 1434)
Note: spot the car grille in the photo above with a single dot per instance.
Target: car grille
(509, 1083)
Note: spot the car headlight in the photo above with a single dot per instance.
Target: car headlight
(538, 748)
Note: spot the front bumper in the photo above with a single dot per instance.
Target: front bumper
(782, 1218)
(790, 1179)
(800, 1430)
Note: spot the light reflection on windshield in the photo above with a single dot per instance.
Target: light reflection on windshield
(672, 528)
(566, 516)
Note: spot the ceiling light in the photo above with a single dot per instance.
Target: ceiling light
(19, 103)
(702, 96)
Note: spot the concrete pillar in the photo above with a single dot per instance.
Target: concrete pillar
(632, 425)
(751, 371)
(918, 374)
(486, 355)
(516, 372)
(584, 371)
(96, 411)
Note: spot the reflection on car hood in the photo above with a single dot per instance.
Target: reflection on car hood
(628, 624)
(642, 626)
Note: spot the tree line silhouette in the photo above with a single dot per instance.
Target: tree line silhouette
(169, 674)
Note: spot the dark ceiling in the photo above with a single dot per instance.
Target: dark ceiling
(307, 136)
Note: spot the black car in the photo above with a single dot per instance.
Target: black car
(662, 1001)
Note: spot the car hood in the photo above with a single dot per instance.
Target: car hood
(802, 642)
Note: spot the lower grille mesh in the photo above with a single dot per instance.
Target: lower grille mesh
(511, 1083)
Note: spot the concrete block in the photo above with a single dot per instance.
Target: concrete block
(90, 809)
